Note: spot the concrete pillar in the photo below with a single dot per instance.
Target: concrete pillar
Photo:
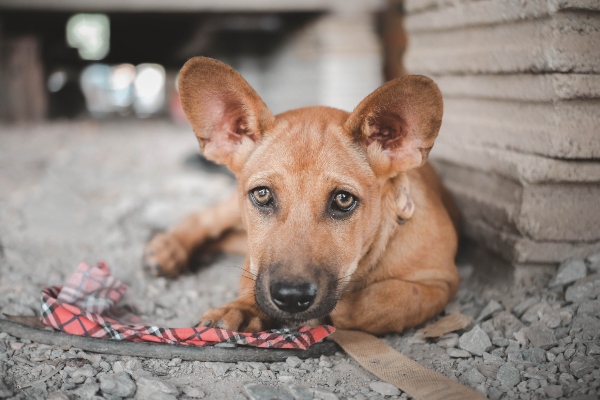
(520, 144)
(334, 60)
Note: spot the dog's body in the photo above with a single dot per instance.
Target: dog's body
(345, 218)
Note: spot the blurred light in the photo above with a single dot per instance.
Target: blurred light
(122, 76)
(95, 85)
(121, 90)
(56, 81)
(90, 34)
(149, 89)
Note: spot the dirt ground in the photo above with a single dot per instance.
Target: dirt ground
(90, 191)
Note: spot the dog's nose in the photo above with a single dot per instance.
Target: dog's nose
(293, 298)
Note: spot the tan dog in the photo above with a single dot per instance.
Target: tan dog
(344, 218)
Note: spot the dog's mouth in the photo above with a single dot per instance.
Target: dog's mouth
(294, 301)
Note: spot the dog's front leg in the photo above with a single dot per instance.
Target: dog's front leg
(392, 305)
(168, 253)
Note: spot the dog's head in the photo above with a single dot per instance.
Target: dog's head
(310, 180)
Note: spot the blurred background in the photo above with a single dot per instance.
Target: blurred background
(519, 146)
(112, 59)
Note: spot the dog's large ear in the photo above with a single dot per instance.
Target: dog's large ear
(398, 123)
(226, 114)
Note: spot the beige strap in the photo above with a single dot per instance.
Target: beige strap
(389, 365)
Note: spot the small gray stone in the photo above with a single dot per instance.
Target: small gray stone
(581, 366)
(489, 309)
(384, 388)
(293, 361)
(552, 319)
(87, 391)
(138, 373)
(500, 341)
(541, 336)
(569, 271)
(535, 312)
(118, 366)
(492, 358)
(520, 308)
(220, 368)
(507, 323)
(588, 288)
(135, 364)
(476, 341)
(104, 365)
(534, 355)
(267, 375)
(474, 376)
(593, 262)
(448, 340)
(174, 362)
(565, 317)
(589, 308)
(55, 396)
(257, 365)
(494, 393)
(301, 393)
(553, 391)
(193, 392)
(84, 372)
(297, 371)
(457, 353)
(533, 384)
(592, 349)
(120, 385)
(286, 379)
(307, 367)
(257, 391)
(508, 375)
(322, 394)
(515, 358)
(149, 387)
(566, 379)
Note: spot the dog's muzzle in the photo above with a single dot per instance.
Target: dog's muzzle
(301, 297)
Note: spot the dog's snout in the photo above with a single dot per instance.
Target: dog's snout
(293, 298)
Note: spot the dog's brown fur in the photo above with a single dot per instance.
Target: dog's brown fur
(372, 273)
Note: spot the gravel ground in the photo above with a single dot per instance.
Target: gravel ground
(95, 191)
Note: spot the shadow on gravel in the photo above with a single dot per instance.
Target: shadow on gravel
(198, 162)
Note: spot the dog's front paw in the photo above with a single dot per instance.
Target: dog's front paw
(237, 317)
(164, 255)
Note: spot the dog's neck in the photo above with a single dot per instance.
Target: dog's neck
(397, 207)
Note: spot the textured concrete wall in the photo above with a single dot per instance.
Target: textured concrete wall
(519, 145)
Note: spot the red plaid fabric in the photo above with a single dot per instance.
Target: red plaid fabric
(86, 306)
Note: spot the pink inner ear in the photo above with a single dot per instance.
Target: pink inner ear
(389, 130)
(232, 120)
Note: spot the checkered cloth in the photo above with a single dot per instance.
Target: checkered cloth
(86, 306)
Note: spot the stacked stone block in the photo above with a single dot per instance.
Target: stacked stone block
(519, 145)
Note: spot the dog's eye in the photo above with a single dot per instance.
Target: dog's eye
(344, 202)
(261, 196)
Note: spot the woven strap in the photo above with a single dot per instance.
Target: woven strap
(390, 366)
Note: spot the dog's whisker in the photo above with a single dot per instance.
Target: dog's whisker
(249, 277)
(244, 270)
